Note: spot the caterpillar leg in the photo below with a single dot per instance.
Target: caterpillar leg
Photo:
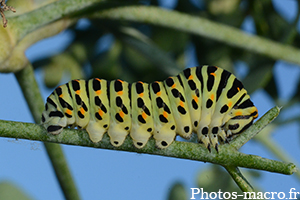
(117, 134)
(164, 137)
(140, 136)
(95, 131)
(213, 136)
(222, 136)
(203, 137)
(228, 133)
(214, 141)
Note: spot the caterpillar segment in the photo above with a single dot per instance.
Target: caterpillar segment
(206, 133)
(164, 124)
(120, 112)
(80, 102)
(206, 100)
(100, 111)
(179, 106)
(142, 121)
(193, 93)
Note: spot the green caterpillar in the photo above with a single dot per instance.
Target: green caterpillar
(206, 100)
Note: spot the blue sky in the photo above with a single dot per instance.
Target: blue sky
(110, 174)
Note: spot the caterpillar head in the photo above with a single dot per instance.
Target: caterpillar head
(242, 119)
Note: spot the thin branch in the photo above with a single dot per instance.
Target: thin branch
(28, 22)
(275, 148)
(147, 48)
(227, 156)
(31, 91)
(203, 27)
(62, 171)
(4, 7)
(34, 100)
(239, 179)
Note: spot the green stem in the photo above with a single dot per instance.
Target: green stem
(203, 27)
(272, 146)
(34, 100)
(63, 174)
(28, 22)
(31, 91)
(239, 179)
(227, 156)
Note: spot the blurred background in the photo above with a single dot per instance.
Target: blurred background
(133, 52)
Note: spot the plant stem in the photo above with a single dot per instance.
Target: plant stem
(31, 92)
(202, 27)
(239, 179)
(34, 100)
(28, 22)
(63, 174)
(272, 146)
(227, 156)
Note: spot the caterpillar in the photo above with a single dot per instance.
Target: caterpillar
(206, 100)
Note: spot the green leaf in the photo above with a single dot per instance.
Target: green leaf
(9, 191)
(177, 192)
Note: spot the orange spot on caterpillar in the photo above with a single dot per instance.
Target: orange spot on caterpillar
(141, 94)
(229, 104)
(238, 89)
(212, 96)
(158, 93)
(165, 114)
(100, 112)
(195, 98)
(213, 74)
(77, 92)
(238, 113)
(69, 112)
(181, 104)
(144, 115)
(120, 80)
(174, 85)
(82, 110)
(122, 114)
(120, 92)
(98, 92)
(190, 77)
